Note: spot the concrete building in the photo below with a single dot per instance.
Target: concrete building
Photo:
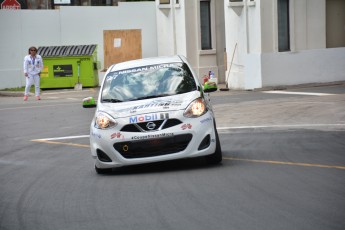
(267, 42)
(195, 29)
(284, 42)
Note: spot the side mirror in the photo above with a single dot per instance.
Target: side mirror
(89, 102)
(210, 87)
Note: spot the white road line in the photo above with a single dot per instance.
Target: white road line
(282, 126)
(221, 128)
(62, 138)
(298, 93)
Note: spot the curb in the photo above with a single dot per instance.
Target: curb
(4, 93)
(11, 94)
(218, 92)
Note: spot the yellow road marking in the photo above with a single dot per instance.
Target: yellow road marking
(61, 143)
(224, 158)
(285, 163)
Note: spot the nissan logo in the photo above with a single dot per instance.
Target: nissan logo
(150, 125)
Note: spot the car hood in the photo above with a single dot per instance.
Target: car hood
(154, 105)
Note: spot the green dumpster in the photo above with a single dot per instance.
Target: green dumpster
(66, 66)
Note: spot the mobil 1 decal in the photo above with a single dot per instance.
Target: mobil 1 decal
(148, 117)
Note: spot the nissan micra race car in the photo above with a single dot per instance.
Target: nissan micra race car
(152, 110)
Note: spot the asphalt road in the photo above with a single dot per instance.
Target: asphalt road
(283, 168)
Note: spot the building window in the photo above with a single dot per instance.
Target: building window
(205, 24)
(335, 29)
(283, 26)
(164, 1)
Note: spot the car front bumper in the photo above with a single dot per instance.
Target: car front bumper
(193, 138)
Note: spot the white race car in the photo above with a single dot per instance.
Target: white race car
(152, 110)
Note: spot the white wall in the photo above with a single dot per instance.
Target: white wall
(76, 25)
(309, 66)
(257, 62)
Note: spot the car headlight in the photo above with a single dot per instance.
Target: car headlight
(196, 109)
(104, 121)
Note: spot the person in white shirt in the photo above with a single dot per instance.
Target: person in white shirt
(33, 64)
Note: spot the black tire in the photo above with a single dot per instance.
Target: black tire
(216, 157)
(102, 171)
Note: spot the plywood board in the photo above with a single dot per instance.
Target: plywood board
(121, 45)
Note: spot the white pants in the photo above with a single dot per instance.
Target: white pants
(30, 80)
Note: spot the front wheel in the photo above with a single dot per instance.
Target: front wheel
(216, 157)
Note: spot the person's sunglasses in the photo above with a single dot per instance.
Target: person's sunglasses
(33, 50)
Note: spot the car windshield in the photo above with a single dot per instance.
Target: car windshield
(148, 82)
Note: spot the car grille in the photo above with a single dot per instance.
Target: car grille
(147, 126)
(153, 147)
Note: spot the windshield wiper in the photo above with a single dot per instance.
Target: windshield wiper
(112, 100)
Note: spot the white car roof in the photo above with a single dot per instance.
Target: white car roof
(147, 61)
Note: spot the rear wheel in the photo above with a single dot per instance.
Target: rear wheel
(216, 157)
